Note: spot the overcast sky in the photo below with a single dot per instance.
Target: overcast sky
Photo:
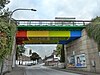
(49, 9)
(42, 50)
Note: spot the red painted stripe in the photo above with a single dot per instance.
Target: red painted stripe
(21, 34)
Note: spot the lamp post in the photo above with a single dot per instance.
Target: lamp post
(14, 42)
(10, 15)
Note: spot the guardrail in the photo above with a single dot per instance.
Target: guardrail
(52, 22)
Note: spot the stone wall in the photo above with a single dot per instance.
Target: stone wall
(87, 46)
(5, 65)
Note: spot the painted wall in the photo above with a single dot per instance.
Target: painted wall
(88, 47)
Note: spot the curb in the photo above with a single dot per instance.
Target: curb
(4, 73)
(78, 72)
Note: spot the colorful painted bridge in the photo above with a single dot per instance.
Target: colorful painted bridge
(48, 31)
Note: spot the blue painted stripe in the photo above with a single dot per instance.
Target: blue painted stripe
(76, 33)
(62, 41)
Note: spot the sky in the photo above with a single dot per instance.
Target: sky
(49, 9)
(42, 50)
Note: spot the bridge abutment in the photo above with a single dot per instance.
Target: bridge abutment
(86, 49)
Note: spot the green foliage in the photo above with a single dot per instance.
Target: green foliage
(7, 33)
(93, 30)
(20, 50)
(34, 56)
(4, 12)
(3, 3)
(58, 49)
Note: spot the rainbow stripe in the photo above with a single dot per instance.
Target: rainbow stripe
(45, 36)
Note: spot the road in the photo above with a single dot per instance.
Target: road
(42, 70)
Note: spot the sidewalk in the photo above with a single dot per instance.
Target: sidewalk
(16, 71)
(78, 72)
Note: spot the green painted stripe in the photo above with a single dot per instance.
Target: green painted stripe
(50, 28)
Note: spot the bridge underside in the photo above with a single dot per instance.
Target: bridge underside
(47, 35)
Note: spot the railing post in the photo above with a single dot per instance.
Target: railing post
(83, 23)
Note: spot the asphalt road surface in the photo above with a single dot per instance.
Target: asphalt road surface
(42, 70)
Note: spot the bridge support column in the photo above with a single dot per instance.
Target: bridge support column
(65, 56)
(62, 54)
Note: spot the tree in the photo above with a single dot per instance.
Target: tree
(4, 12)
(58, 50)
(7, 33)
(93, 30)
(3, 3)
(35, 56)
(19, 52)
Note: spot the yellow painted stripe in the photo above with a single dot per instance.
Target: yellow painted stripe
(39, 38)
(36, 41)
(48, 33)
(44, 40)
(59, 34)
(37, 33)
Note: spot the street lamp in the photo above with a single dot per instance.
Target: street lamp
(10, 15)
(14, 51)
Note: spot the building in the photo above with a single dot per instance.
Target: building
(24, 60)
(51, 60)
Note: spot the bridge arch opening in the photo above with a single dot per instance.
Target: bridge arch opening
(48, 32)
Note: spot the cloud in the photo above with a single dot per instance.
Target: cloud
(48, 9)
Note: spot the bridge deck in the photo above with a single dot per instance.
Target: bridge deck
(51, 24)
